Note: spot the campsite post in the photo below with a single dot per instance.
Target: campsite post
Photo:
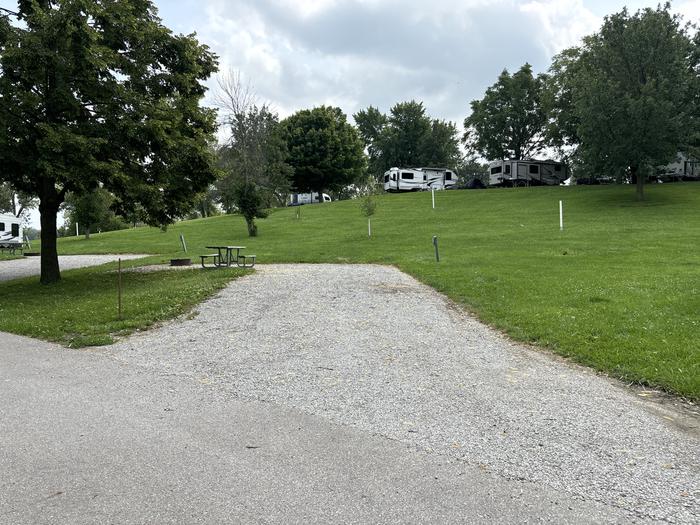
(433, 192)
(561, 215)
(119, 289)
(437, 252)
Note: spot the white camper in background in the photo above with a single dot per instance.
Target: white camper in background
(527, 173)
(11, 232)
(417, 179)
(297, 199)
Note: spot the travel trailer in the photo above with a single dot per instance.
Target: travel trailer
(11, 232)
(683, 168)
(527, 173)
(297, 199)
(417, 179)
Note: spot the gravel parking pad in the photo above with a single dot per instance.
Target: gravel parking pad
(371, 348)
(28, 266)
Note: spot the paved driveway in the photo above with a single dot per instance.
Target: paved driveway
(331, 393)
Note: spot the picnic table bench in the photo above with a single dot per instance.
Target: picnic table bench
(11, 246)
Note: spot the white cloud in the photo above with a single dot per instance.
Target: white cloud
(562, 24)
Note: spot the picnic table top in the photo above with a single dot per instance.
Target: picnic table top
(227, 247)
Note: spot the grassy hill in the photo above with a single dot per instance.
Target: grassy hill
(617, 290)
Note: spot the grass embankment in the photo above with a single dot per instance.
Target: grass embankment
(616, 290)
(81, 309)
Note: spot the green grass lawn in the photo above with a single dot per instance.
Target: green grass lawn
(616, 290)
(82, 310)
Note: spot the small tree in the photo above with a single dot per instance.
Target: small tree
(250, 204)
(368, 201)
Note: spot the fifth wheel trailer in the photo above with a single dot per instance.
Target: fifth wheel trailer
(417, 179)
(527, 173)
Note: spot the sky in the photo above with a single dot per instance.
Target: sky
(298, 54)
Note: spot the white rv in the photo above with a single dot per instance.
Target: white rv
(417, 179)
(527, 173)
(297, 199)
(11, 232)
(683, 168)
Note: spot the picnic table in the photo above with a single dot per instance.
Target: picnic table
(225, 254)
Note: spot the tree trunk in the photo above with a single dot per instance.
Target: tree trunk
(50, 272)
(252, 228)
(639, 178)
(87, 233)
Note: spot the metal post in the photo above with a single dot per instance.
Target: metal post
(182, 241)
(76, 229)
(369, 227)
(433, 192)
(437, 252)
(119, 289)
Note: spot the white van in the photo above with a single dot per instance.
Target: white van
(297, 199)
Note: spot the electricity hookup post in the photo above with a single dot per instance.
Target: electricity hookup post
(437, 252)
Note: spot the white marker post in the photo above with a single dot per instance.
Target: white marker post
(433, 192)
(76, 229)
(561, 215)
(369, 227)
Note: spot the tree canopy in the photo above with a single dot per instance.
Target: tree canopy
(324, 149)
(628, 97)
(510, 121)
(100, 93)
(407, 137)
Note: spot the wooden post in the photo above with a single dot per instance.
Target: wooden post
(119, 289)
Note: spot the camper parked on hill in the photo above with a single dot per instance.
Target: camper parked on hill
(417, 179)
(11, 232)
(527, 173)
(297, 199)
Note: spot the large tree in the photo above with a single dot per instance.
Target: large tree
(510, 121)
(325, 151)
(407, 137)
(628, 96)
(99, 93)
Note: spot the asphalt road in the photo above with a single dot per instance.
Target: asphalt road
(228, 416)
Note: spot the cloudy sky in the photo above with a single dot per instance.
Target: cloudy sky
(353, 53)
